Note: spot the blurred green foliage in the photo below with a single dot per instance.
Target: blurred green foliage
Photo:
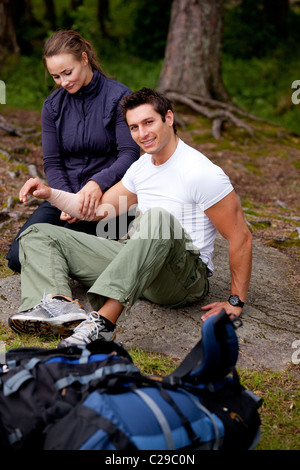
(149, 33)
(260, 28)
(263, 87)
(260, 61)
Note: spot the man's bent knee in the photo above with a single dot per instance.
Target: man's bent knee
(158, 223)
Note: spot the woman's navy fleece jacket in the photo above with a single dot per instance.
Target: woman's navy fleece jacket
(85, 137)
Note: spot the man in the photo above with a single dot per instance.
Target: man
(184, 199)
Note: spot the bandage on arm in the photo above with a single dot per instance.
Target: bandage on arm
(70, 203)
(66, 202)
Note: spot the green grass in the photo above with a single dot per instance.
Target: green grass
(280, 412)
(132, 71)
(296, 165)
(12, 340)
(260, 87)
(151, 363)
(4, 269)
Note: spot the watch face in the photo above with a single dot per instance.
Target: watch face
(234, 300)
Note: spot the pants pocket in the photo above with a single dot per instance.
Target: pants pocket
(181, 281)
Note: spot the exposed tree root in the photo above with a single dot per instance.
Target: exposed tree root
(221, 113)
(22, 133)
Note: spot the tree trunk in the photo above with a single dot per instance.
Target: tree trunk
(193, 57)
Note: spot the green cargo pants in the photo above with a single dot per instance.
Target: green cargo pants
(158, 263)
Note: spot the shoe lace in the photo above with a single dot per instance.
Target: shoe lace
(89, 327)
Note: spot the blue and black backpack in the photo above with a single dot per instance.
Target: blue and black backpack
(94, 397)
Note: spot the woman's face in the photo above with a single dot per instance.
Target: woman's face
(68, 72)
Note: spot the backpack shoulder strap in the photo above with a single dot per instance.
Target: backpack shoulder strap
(213, 356)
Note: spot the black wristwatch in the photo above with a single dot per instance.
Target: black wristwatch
(235, 301)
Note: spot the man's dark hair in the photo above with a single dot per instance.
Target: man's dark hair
(160, 103)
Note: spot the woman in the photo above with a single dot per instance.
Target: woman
(87, 146)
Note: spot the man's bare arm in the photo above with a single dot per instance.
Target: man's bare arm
(117, 200)
(228, 218)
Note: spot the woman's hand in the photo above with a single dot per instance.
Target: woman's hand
(35, 187)
(91, 196)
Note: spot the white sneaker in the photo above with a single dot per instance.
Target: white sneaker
(54, 314)
(89, 330)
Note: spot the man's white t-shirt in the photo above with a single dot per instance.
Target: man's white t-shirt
(186, 185)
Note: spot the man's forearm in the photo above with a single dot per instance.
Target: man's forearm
(240, 260)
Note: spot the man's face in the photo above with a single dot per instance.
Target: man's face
(148, 129)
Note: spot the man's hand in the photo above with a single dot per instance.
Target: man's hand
(35, 187)
(68, 218)
(216, 307)
(91, 195)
